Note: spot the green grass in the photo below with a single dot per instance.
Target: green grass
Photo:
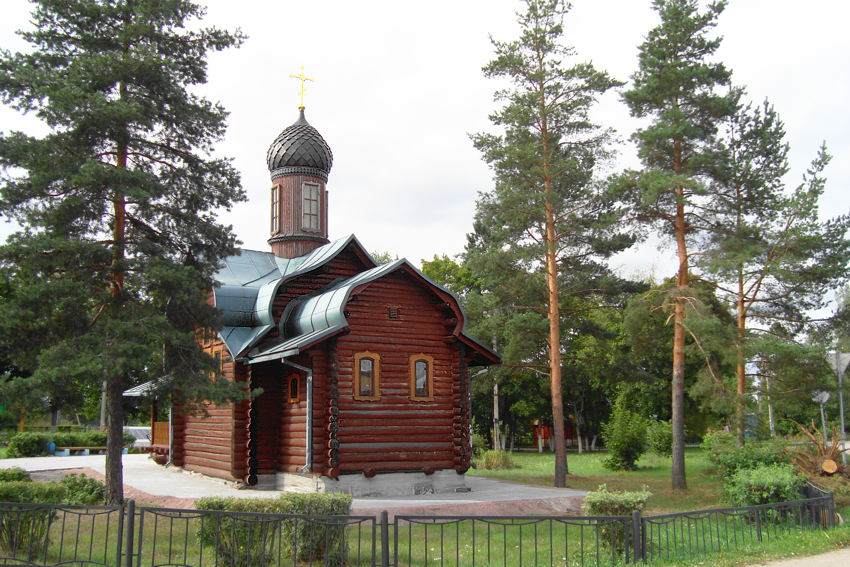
(587, 473)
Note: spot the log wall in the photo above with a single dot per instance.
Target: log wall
(396, 433)
(213, 440)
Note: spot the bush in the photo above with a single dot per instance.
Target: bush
(26, 530)
(35, 492)
(764, 484)
(497, 460)
(659, 438)
(479, 444)
(82, 490)
(28, 445)
(14, 474)
(251, 540)
(729, 458)
(625, 437)
(603, 502)
(35, 444)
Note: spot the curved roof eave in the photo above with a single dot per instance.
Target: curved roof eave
(254, 275)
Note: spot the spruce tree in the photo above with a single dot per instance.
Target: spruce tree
(546, 205)
(111, 270)
(687, 98)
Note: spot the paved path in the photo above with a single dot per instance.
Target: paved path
(146, 481)
(837, 558)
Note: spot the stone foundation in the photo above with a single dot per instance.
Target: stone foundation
(383, 484)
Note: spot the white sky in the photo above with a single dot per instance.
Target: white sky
(398, 87)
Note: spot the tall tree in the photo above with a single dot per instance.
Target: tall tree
(545, 205)
(677, 87)
(766, 249)
(119, 244)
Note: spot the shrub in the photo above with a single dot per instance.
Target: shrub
(28, 491)
(729, 458)
(625, 437)
(479, 444)
(497, 460)
(82, 490)
(35, 444)
(250, 540)
(659, 438)
(28, 445)
(24, 530)
(14, 474)
(603, 502)
(764, 484)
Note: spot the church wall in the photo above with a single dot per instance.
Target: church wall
(213, 441)
(395, 433)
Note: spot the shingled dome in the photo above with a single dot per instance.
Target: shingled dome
(300, 149)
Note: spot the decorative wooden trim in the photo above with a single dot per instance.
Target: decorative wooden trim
(429, 360)
(333, 410)
(376, 376)
(293, 379)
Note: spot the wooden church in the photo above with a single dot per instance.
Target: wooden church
(364, 368)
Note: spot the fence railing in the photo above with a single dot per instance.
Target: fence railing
(42, 534)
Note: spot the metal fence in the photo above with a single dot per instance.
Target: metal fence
(41, 534)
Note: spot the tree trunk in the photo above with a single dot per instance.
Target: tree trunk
(740, 361)
(561, 468)
(678, 382)
(115, 384)
(496, 444)
(114, 443)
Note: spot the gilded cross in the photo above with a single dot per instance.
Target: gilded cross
(302, 78)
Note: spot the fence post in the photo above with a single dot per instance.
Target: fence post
(637, 535)
(830, 522)
(131, 530)
(385, 539)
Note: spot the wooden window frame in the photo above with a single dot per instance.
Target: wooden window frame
(275, 209)
(429, 360)
(307, 213)
(376, 376)
(297, 397)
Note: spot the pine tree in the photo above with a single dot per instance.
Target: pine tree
(119, 242)
(545, 206)
(676, 86)
(766, 249)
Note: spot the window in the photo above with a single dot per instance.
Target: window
(310, 206)
(421, 377)
(293, 389)
(367, 376)
(275, 207)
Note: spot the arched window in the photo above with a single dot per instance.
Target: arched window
(367, 376)
(293, 389)
(421, 377)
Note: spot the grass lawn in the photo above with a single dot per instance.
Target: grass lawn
(587, 473)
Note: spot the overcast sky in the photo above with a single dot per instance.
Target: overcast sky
(398, 88)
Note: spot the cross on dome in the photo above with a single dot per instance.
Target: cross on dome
(302, 78)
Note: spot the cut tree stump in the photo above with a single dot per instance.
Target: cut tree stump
(829, 466)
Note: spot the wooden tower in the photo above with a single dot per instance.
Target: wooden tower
(299, 162)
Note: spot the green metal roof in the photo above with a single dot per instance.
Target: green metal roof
(250, 281)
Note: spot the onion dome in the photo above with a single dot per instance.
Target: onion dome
(300, 149)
